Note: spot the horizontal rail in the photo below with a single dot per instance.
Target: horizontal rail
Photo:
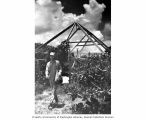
(86, 45)
(83, 42)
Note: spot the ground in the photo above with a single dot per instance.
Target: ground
(43, 103)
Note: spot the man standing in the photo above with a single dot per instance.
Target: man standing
(53, 73)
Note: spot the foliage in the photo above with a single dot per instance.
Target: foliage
(40, 82)
(62, 55)
(90, 80)
(43, 52)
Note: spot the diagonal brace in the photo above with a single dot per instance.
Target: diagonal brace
(55, 37)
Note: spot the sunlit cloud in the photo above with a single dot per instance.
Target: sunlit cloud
(50, 20)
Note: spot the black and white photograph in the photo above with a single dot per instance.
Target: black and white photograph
(72, 57)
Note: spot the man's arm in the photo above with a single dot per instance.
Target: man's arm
(59, 68)
(47, 70)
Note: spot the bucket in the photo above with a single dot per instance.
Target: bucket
(65, 79)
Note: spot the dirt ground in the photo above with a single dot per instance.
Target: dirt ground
(43, 103)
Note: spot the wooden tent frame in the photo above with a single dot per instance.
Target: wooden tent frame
(91, 38)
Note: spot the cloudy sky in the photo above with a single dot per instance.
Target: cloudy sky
(76, 7)
(52, 16)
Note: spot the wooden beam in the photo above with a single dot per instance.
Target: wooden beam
(71, 31)
(73, 34)
(82, 42)
(86, 45)
(96, 39)
(78, 43)
(54, 37)
(89, 36)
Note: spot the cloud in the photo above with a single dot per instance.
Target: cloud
(107, 31)
(93, 13)
(48, 16)
(50, 20)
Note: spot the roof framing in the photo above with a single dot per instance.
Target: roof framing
(75, 27)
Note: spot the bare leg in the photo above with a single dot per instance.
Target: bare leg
(51, 84)
(55, 93)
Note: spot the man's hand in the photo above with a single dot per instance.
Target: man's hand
(47, 76)
(57, 77)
